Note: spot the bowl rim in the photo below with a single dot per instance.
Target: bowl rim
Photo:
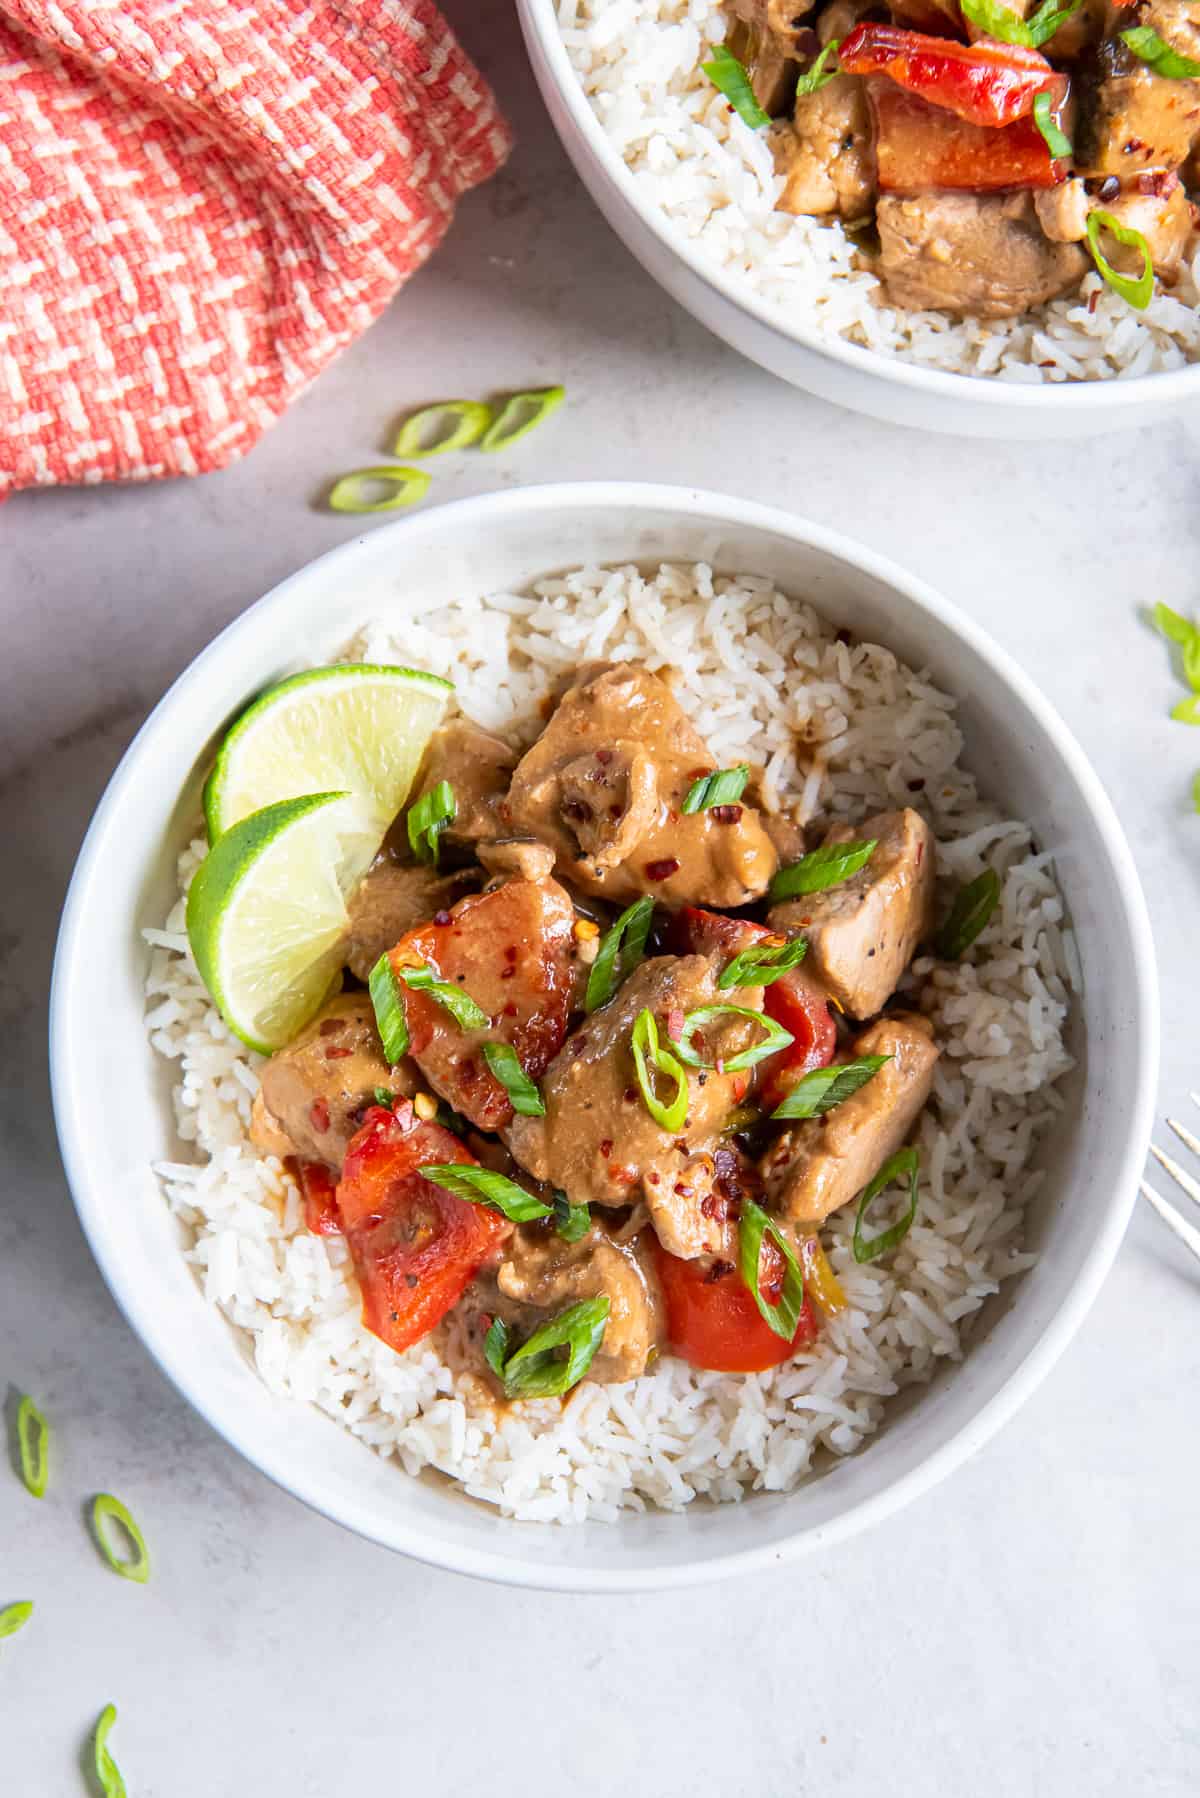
(1117, 393)
(476, 514)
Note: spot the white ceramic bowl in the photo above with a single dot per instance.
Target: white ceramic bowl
(866, 381)
(111, 1092)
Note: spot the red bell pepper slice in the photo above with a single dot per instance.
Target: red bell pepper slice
(318, 1189)
(713, 1321)
(986, 83)
(921, 147)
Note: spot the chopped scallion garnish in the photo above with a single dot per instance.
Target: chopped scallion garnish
(522, 1091)
(729, 76)
(724, 787)
(776, 1038)
(1009, 27)
(1153, 50)
(1196, 792)
(346, 495)
(107, 1771)
(33, 1443)
(620, 951)
(824, 867)
(1054, 137)
(385, 1096)
(822, 70)
(482, 1186)
(571, 1221)
(536, 1369)
(462, 1008)
(784, 1316)
(106, 1511)
(450, 425)
(520, 414)
(870, 1248)
(15, 1616)
(388, 1003)
(428, 818)
(1137, 290)
(762, 964)
(824, 1088)
(648, 1053)
(495, 1346)
(973, 906)
(1188, 710)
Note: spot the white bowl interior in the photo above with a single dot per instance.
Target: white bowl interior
(112, 1126)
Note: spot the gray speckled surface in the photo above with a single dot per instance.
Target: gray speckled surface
(1032, 1627)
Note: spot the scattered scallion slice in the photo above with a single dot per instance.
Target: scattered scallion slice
(1196, 792)
(1009, 27)
(724, 787)
(450, 425)
(1174, 626)
(1153, 50)
(15, 1616)
(776, 1037)
(1053, 136)
(870, 1248)
(783, 1317)
(482, 1186)
(520, 414)
(763, 964)
(824, 867)
(385, 1096)
(571, 1221)
(428, 818)
(462, 1008)
(824, 1088)
(522, 1091)
(973, 906)
(33, 1443)
(536, 1370)
(729, 77)
(620, 951)
(822, 70)
(346, 495)
(495, 1346)
(106, 1511)
(1137, 290)
(107, 1771)
(388, 1002)
(1188, 710)
(648, 1053)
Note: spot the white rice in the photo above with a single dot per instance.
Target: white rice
(762, 674)
(639, 64)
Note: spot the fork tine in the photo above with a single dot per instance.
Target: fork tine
(1182, 1179)
(1187, 1233)
(1185, 1136)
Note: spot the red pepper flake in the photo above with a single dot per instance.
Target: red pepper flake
(333, 1026)
(685, 1192)
(921, 845)
(630, 1096)
(510, 1010)
(441, 917)
(711, 1206)
(510, 954)
(653, 1178)
(337, 1054)
(662, 870)
(604, 757)
(606, 1147)
(718, 1271)
(1093, 300)
(725, 814)
(507, 973)
(675, 1022)
(577, 1045)
(318, 1116)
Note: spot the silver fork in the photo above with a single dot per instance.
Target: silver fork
(1174, 1220)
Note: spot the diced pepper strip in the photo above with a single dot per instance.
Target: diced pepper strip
(921, 147)
(986, 83)
(820, 1281)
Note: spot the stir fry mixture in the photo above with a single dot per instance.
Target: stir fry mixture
(613, 1041)
(985, 156)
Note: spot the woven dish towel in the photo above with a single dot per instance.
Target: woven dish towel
(201, 202)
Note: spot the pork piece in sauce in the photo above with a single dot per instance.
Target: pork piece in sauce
(512, 950)
(392, 898)
(478, 766)
(980, 254)
(598, 1142)
(517, 858)
(1131, 119)
(819, 1165)
(546, 1274)
(825, 155)
(604, 785)
(313, 1093)
(862, 933)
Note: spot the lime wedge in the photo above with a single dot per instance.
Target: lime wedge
(266, 912)
(352, 728)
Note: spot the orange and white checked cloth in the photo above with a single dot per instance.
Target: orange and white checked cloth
(201, 202)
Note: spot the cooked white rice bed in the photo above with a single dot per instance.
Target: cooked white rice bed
(759, 671)
(639, 64)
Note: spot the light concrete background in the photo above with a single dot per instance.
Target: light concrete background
(1029, 1630)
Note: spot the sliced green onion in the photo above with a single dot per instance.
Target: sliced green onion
(428, 818)
(1196, 792)
(776, 1038)
(648, 1052)
(388, 1004)
(1188, 710)
(620, 951)
(729, 76)
(816, 75)
(15, 1616)
(522, 1091)
(973, 906)
(824, 1088)
(760, 966)
(784, 1317)
(462, 1008)
(520, 414)
(1136, 289)
(870, 1248)
(825, 867)
(33, 1442)
(482, 1186)
(1054, 137)
(536, 1370)
(495, 1346)
(1173, 625)
(724, 787)
(107, 1771)
(385, 1096)
(433, 430)
(1154, 50)
(571, 1221)
(346, 495)
(106, 1511)
(1010, 28)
